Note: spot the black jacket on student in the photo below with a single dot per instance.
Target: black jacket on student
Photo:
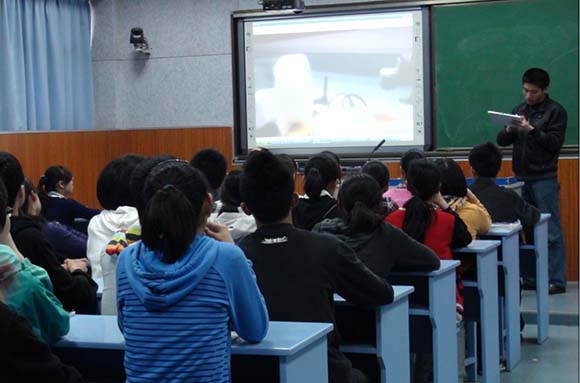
(384, 249)
(505, 205)
(77, 290)
(25, 358)
(310, 211)
(299, 271)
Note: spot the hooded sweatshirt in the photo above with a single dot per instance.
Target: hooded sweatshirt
(176, 317)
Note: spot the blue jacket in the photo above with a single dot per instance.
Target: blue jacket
(176, 317)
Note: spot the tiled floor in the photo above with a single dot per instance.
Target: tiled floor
(555, 361)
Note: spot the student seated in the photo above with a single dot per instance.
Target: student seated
(380, 173)
(378, 244)
(26, 287)
(461, 199)
(70, 280)
(429, 219)
(66, 241)
(23, 356)
(290, 162)
(321, 178)
(119, 214)
(503, 204)
(401, 194)
(213, 165)
(180, 292)
(54, 188)
(298, 271)
(230, 213)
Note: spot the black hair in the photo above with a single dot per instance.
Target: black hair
(174, 194)
(267, 187)
(230, 194)
(536, 76)
(12, 175)
(424, 181)
(49, 180)
(359, 198)
(28, 189)
(319, 171)
(289, 161)
(3, 204)
(212, 163)
(378, 171)
(485, 159)
(139, 176)
(335, 158)
(410, 155)
(452, 178)
(113, 184)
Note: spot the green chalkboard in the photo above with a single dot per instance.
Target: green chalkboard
(481, 51)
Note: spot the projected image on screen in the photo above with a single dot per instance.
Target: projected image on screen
(335, 80)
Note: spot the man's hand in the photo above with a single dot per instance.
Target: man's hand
(218, 232)
(525, 125)
(437, 199)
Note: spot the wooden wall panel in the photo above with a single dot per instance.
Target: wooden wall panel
(86, 153)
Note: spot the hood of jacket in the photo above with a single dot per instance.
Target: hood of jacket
(21, 223)
(338, 228)
(160, 285)
(111, 220)
(311, 211)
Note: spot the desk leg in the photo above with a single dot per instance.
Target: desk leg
(487, 287)
(542, 280)
(443, 317)
(308, 366)
(511, 269)
(393, 341)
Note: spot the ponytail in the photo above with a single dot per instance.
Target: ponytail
(169, 223)
(418, 217)
(51, 177)
(41, 189)
(362, 219)
(313, 183)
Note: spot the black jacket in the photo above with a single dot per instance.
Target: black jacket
(25, 358)
(299, 271)
(505, 205)
(384, 249)
(310, 211)
(76, 291)
(535, 154)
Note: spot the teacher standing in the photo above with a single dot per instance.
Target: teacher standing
(537, 141)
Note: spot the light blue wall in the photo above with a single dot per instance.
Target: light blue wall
(187, 81)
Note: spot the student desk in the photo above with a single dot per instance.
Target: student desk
(440, 312)
(391, 344)
(484, 302)
(300, 347)
(509, 260)
(540, 249)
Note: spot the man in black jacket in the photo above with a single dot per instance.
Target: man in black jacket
(298, 271)
(537, 141)
(71, 283)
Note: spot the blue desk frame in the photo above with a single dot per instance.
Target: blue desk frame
(392, 328)
(300, 347)
(441, 313)
(486, 285)
(510, 344)
(540, 249)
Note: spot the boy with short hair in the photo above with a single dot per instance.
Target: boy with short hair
(298, 271)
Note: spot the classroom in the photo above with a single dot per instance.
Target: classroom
(102, 86)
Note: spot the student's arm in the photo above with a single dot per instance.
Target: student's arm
(461, 236)
(76, 291)
(411, 255)
(526, 213)
(249, 316)
(66, 242)
(355, 282)
(552, 137)
(81, 211)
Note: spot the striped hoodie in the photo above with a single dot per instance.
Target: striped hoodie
(176, 317)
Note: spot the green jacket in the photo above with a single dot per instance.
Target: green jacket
(28, 291)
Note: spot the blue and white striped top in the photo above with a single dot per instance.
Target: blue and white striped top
(176, 318)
